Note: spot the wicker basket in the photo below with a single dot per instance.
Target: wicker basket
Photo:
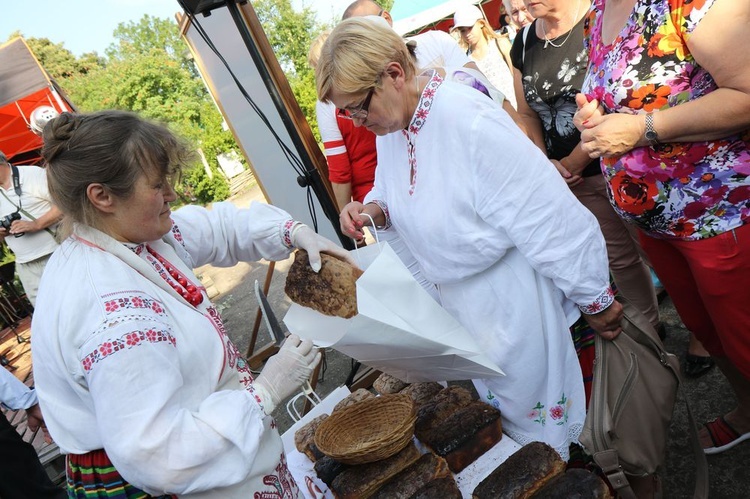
(368, 431)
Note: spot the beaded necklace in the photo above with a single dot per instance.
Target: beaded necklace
(184, 287)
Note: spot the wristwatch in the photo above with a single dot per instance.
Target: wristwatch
(651, 135)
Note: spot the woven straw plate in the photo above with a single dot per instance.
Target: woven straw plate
(368, 431)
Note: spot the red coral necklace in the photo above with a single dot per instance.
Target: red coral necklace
(184, 287)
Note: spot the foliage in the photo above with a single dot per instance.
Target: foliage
(290, 34)
(148, 70)
(386, 4)
(198, 186)
(60, 62)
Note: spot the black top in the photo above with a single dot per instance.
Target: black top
(552, 77)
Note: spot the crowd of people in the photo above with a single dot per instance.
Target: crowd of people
(524, 188)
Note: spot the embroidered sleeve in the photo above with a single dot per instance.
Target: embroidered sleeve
(602, 302)
(383, 207)
(288, 228)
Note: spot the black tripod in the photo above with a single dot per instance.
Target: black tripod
(10, 302)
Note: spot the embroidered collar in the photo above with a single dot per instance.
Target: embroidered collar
(425, 103)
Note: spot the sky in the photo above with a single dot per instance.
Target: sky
(87, 25)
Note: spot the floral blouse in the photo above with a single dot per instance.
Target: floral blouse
(686, 190)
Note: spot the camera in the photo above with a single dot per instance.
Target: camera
(8, 220)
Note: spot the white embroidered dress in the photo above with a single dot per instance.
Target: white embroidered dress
(512, 251)
(123, 363)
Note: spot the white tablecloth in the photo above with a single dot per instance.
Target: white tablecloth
(314, 488)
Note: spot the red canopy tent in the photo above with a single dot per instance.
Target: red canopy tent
(24, 87)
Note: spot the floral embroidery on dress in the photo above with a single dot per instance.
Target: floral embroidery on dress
(133, 301)
(282, 482)
(492, 400)
(690, 190)
(417, 121)
(538, 414)
(126, 341)
(559, 412)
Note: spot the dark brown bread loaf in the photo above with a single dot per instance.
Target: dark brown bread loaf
(331, 291)
(433, 413)
(466, 434)
(363, 480)
(442, 488)
(522, 474)
(327, 468)
(408, 482)
(422, 392)
(304, 438)
(354, 397)
(387, 384)
(575, 483)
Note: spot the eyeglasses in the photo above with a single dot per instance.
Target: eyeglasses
(360, 112)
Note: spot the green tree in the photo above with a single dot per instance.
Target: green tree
(290, 34)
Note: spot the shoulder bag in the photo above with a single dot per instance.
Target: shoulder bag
(635, 387)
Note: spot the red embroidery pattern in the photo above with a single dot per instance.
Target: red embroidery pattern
(233, 357)
(417, 121)
(603, 301)
(134, 301)
(283, 483)
(129, 340)
(286, 233)
(177, 234)
(383, 206)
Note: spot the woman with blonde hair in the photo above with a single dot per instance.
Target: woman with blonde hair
(489, 50)
(487, 218)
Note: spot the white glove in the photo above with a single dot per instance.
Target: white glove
(307, 239)
(286, 371)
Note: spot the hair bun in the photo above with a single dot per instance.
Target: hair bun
(57, 134)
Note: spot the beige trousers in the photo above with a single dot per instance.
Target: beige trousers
(30, 273)
(627, 261)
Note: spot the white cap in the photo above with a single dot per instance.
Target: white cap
(466, 15)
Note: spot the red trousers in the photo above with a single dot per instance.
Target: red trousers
(709, 283)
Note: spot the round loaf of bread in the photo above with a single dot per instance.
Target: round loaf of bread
(331, 291)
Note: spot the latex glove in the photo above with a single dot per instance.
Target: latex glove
(307, 239)
(286, 371)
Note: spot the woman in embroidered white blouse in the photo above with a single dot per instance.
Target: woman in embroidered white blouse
(139, 383)
(516, 258)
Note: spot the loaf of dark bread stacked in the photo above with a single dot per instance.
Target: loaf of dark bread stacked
(422, 393)
(331, 291)
(458, 428)
(442, 488)
(429, 467)
(522, 474)
(356, 396)
(304, 438)
(386, 384)
(363, 480)
(577, 483)
(466, 434)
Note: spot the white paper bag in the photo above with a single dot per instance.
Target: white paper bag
(400, 329)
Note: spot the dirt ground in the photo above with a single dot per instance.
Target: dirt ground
(709, 395)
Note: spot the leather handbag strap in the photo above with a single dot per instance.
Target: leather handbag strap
(609, 462)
